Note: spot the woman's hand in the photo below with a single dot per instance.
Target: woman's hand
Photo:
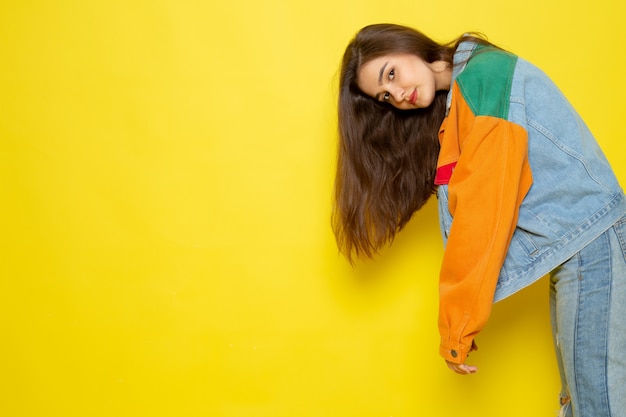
(461, 368)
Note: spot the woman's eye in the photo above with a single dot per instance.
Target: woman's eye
(386, 97)
(392, 74)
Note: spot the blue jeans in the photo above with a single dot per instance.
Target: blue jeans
(588, 316)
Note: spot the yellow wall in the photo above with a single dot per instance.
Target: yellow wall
(165, 178)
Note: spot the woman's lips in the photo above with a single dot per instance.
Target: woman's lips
(413, 97)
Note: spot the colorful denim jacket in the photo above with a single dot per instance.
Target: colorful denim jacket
(522, 187)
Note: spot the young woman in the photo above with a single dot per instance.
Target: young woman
(522, 186)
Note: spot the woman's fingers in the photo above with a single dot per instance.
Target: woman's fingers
(461, 368)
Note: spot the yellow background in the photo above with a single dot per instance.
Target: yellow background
(166, 174)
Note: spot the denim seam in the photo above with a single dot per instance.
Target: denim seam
(606, 329)
(576, 324)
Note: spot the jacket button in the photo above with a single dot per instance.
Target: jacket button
(453, 353)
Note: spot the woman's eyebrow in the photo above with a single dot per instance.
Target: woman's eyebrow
(380, 76)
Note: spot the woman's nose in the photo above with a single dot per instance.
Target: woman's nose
(398, 95)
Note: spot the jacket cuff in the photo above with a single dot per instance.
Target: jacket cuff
(454, 353)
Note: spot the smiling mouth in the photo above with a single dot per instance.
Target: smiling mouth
(413, 97)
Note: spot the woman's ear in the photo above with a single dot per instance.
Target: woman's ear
(439, 66)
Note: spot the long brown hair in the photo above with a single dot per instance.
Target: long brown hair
(387, 157)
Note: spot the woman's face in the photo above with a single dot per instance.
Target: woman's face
(404, 80)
